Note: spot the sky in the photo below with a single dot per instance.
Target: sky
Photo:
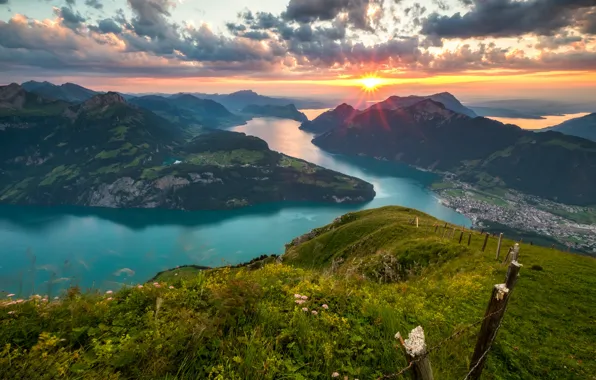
(476, 49)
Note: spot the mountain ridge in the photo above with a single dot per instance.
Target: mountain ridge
(106, 152)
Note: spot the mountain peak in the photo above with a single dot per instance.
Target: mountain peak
(104, 100)
(12, 95)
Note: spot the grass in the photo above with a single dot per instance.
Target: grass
(377, 274)
(68, 172)
(226, 158)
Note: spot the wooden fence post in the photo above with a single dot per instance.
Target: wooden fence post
(499, 246)
(416, 354)
(492, 320)
(416, 222)
(461, 236)
(485, 241)
(445, 225)
(515, 252)
(469, 239)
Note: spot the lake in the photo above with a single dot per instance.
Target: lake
(45, 250)
(548, 121)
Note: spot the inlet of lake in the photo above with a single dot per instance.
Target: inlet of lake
(46, 250)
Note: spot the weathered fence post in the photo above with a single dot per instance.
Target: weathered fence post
(499, 246)
(416, 222)
(485, 241)
(515, 252)
(445, 225)
(469, 239)
(417, 355)
(492, 320)
(461, 236)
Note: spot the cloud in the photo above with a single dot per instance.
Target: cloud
(108, 25)
(361, 13)
(69, 18)
(506, 18)
(94, 3)
(3, 2)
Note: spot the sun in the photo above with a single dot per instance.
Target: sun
(370, 83)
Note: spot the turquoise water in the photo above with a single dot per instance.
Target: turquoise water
(44, 250)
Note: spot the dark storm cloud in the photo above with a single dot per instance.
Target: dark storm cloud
(506, 18)
(108, 25)
(70, 2)
(3, 2)
(151, 19)
(305, 11)
(70, 19)
(94, 3)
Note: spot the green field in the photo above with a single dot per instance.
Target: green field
(376, 273)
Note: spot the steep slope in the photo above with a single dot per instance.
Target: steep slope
(68, 92)
(247, 322)
(189, 109)
(584, 127)
(480, 150)
(284, 112)
(106, 152)
(331, 119)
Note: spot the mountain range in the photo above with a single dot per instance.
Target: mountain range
(108, 152)
(584, 127)
(345, 112)
(482, 151)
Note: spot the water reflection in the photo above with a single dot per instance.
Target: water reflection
(547, 121)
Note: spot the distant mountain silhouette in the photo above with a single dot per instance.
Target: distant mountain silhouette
(331, 119)
(584, 127)
(186, 108)
(284, 112)
(236, 101)
(68, 92)
(449, 101)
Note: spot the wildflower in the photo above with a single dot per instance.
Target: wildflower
(175, 274)
(305, 309)
(19, 301)
(11, 312)
(324, 306)
(335, 374)
(56, 298)
(110, 298)
(11, 295)
(171, 287)
(304, 297)
(44, 300)
(299, 302)
(109, 292)
(37, 296)
(140, 286)
(295, 295)
(314, 312)
(156, 284)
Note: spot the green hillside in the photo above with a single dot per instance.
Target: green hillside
(376, 273)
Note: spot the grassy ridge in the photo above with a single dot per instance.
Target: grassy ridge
(376, 274)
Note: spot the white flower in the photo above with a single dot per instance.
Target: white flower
(109, 298)
(11, 295)
(109, 292)
(335, 374)
(299, 302)
(171, 287)
(140, 286)
(295, 295)
(304, 297)
(11, 312)
(56, 298)
(305, 309)
(324, 306)
(315, 312)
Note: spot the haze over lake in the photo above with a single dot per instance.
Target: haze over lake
(106, 248)
(548, 121)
